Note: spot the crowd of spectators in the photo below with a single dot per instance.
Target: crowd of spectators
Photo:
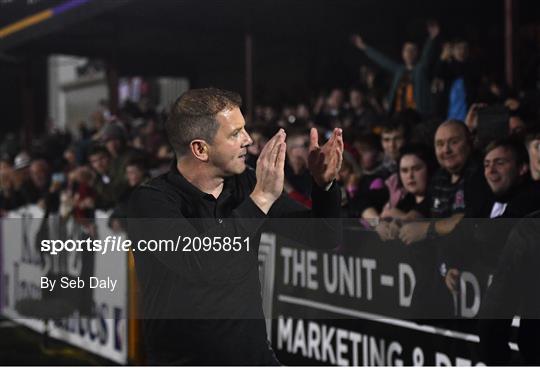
(440, 144)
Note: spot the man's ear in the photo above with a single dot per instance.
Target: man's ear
(199, 149)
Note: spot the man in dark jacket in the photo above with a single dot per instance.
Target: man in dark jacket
(453, 187)
(514, 291)
(513, 195)
(410, 85)
(205, 307)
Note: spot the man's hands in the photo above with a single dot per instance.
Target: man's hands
(358, 42)
(472, 116)
(413, 232)
(387, 230)
(433, 30)
(324, 162)
(408, 233)
(451, 279)
(393, 213)
(270, 172)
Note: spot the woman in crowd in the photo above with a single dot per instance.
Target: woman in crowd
(415, 166)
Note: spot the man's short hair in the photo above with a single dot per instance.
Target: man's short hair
(532, 133)
(369, 140)
(411, 42)
(193, 116)
(140, 163)
(394, 125)
(98, 149)
(513, 145)
(460, 125)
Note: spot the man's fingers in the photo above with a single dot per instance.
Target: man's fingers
(339, 138)
(313, 139)
(335, 140)
(280, 162)
(269, 146)
(276, 149)
(340, 146)
(403, 234)
(452, 279)
(333, 137)
(332, 158)
(321, 158)
(267, 151)
(407, 241)
(275, 139)
(449, 284)
(339, 154)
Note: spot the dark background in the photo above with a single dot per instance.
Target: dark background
(299, 47)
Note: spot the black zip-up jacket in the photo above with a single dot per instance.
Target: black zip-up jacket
(205, 307)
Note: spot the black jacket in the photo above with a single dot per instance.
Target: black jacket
(205, 307)
(515, 290)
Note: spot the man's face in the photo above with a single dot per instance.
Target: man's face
(368, 156)
(409, 53)
(134, 175)
(39, 173)
(451, 148)
(335, 100)
(500, 170)
(113, 146)
(302, 112)
(228, 151)
(460, 51)
(100, 163)
(534, 158)
(356, 99)
(69, 156)
(516, 125)
(392, 141)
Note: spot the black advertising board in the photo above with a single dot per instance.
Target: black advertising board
(356, 305)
